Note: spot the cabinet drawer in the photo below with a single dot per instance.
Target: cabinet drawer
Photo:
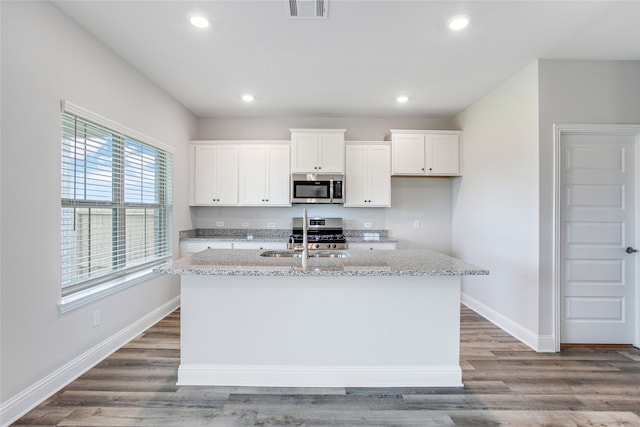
(372, 246)
(259, 245)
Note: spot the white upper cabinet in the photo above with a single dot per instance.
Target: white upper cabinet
(426, 153)
(213, 179)
(317, 151)
(264, 175)
(368, 175)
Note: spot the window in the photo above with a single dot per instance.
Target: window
(116, 203)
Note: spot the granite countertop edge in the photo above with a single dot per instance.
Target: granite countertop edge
(244, 271)
(405, 262)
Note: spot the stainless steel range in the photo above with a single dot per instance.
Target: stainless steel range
(323, 233)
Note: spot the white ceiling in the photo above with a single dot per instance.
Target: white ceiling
(356, 62)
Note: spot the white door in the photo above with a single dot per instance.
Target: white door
(598, 191)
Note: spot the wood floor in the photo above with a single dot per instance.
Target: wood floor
(505, 384)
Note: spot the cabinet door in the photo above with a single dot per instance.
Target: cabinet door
(304, 152)
(331, 153)
(203, 177)
(253, 169)
(368, 176)
(408, 154)
(214, 175)
(278, 176)
(443, 154)
(356, 188)
(226, 175)
(379, 174)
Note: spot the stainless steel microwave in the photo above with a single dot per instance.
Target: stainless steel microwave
(317, 188)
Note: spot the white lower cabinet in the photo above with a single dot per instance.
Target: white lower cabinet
(368, 175)
(372, 246)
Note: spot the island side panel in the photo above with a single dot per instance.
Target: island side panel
(320, 331)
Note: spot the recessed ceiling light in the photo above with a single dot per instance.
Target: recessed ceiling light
(199, 21)
(247, 97)
(459, 22)
(402, 99)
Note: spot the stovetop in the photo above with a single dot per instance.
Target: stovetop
(322, 233)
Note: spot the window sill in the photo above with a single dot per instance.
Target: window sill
(88, 296)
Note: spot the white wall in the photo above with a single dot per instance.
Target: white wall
(495, 207)
(576, 92)
(425, 199)
(503, 207)
(358, 128)
(46, 58)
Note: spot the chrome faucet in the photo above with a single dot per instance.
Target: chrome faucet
(305, 237)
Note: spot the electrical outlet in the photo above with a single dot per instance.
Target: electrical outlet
(96, 319)
(271, 225)
(219, 223)
(416, 223)
(367, 225)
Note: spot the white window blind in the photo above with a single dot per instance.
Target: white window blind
(116, 204)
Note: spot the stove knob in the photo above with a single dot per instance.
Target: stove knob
(334, 246)
(317, 246)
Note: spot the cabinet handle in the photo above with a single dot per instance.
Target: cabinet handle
(423, 169)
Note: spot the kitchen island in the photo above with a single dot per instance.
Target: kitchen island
(386, 318)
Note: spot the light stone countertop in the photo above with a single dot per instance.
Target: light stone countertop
(399, 262)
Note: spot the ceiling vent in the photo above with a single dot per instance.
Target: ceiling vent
(315, 9)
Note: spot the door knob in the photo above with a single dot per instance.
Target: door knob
(630, 250)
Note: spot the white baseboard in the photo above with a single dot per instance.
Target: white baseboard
(32, 396)
(320, 376)
(539, 343)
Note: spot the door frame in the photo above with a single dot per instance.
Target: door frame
(560, 129)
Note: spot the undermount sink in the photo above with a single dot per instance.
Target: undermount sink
(298, 254)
